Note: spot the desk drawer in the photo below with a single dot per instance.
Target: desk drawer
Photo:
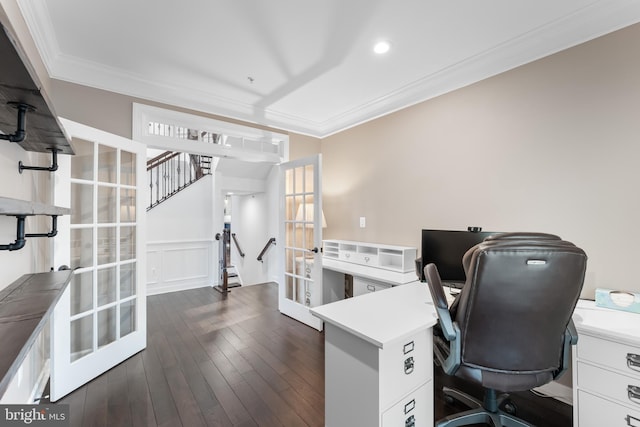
(367, 259)
(347, 256)
(363, 286)
(609, 384)
(597, 412)
(621, 357)
(404, 365)
(413, 410)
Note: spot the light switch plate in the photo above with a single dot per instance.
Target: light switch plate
(363, 222)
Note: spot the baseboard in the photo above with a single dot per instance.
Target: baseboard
(557, 391)
(156, 290)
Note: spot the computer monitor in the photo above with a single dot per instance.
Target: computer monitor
(445, 249)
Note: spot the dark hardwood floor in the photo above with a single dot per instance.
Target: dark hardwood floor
(235, 361)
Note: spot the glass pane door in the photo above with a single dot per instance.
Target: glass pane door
(104, 322)
(302, 222)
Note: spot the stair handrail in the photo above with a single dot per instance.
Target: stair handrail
(161, 158)
(235, 240)
(272, 241)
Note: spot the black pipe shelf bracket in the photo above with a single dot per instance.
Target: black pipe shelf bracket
(20, 132)
(52, 168)
(20, 210)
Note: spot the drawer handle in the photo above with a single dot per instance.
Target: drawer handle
(630, 419)
(410, 422)
(371, 288)
(347, 255)
(367, 259)
(408, 347)
(633, 361)
(408, 365)
(633, 393)
(409, 406)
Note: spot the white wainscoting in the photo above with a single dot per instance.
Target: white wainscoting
(179, 265)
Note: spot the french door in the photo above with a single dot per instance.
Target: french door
(101, 317)
(301, 222)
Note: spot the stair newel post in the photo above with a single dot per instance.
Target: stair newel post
(224, 240)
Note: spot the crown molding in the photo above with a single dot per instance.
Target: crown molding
(594, 20)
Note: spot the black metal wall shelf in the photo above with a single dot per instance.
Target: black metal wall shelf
(17, 87)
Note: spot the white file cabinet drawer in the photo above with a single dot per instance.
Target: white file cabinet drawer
(619, 356)
(365, 286)
(404, 365)
(622, 388)
(413, 410)
(598, 412)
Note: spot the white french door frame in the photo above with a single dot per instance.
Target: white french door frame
(67, 372)
(300, 285)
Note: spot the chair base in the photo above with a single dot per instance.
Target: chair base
(478, 414)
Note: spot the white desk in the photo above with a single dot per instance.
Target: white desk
(379, 358)
(606, 367)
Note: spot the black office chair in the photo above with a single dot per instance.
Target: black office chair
(510, 328)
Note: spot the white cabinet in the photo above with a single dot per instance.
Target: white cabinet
(378, 358)
(396, 258)
(606, 368)
(373, 266)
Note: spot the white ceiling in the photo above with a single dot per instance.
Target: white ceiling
(311, 62)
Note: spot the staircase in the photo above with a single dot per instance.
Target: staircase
(233, 277)
(171, 172)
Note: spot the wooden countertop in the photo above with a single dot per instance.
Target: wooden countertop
(12, 207)
(25, 308)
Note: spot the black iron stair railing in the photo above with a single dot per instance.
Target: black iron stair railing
(171, 172)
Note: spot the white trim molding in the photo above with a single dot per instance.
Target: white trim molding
(179, 265)
(249, 144)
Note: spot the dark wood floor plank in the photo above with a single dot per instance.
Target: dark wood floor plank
(188, 409)
(233, 406)
(95, 406)
(164, 407)
(259, 410)
(284, 411)
(118, 412)
(140, 403)
(76, 401)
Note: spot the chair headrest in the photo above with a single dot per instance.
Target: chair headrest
(520, 235)
(511, 238)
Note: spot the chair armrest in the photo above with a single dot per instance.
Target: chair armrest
(570, 338)
(439, 301)
(573, 332)
(435, 286)
(449, 358)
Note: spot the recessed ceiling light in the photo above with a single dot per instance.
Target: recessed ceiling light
(382, 47)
